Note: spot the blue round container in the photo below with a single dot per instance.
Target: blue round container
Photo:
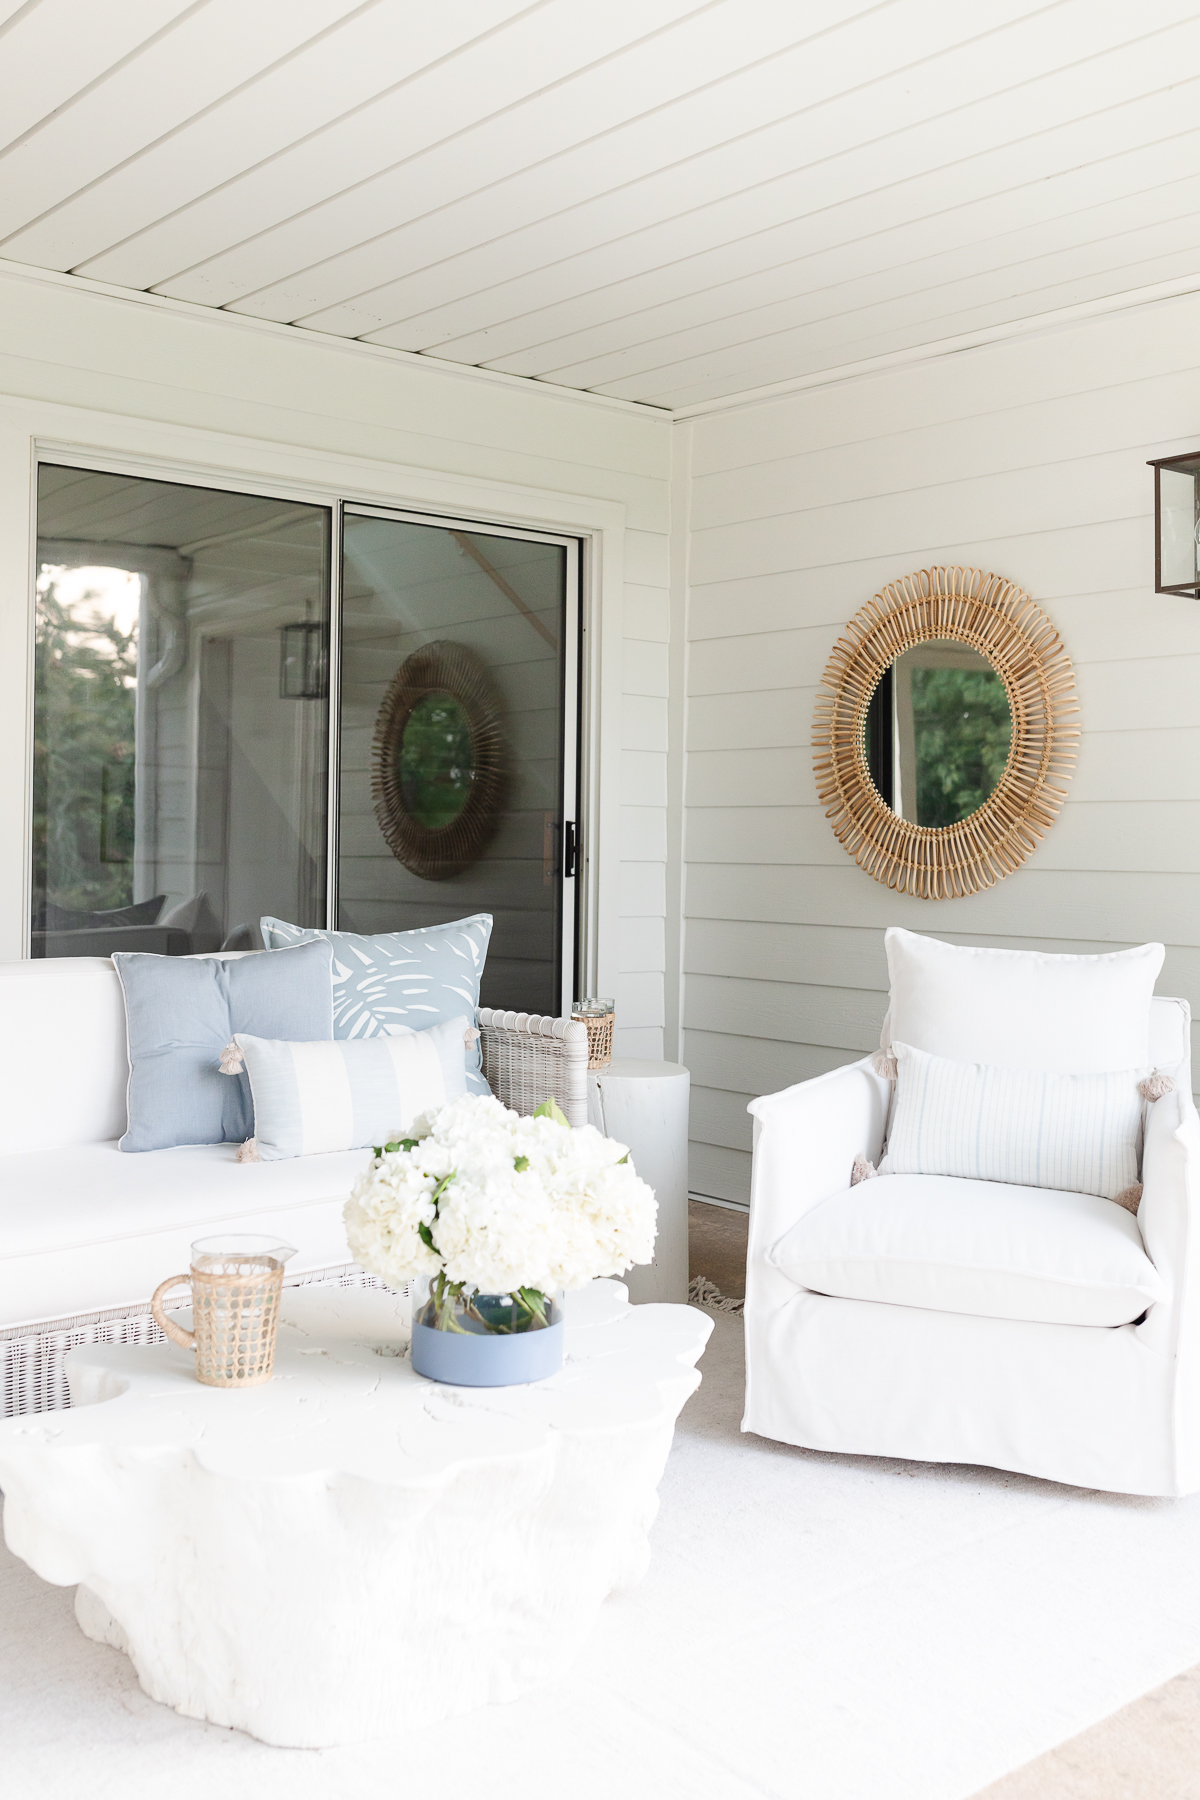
(487, 1359)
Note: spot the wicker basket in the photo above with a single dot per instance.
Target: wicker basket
(600, 1037)
(236, 1316)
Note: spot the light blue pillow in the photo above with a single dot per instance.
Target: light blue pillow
(310, 1099)
(401, 980)
(182, 1011)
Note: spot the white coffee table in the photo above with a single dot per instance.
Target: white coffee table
(351, 1549)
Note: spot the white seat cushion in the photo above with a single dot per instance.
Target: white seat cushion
(979, 1247)
(88, 1228)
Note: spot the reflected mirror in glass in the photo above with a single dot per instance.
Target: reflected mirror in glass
(436, 761)
(938, 732)
(409, 586)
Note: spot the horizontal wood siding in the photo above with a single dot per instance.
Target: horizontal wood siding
(1028, 458)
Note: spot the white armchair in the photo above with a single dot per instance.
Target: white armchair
(1101, 1406)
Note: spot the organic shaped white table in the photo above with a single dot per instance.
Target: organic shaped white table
(351, 1549)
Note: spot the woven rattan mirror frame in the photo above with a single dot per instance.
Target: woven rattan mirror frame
(1001, 622)
(434, 853)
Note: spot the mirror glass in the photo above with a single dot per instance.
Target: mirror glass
(937, 733)
(436, 760)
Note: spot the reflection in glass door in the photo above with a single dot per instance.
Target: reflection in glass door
(180, 715)
(459, 700)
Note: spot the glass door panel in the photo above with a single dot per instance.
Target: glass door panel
(180, 715)
(459, 694)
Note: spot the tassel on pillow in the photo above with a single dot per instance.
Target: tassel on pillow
(1130, 1197)
(885, 1065)
(232, 1061)
(1155, 1086)
(248, 1152)
(861, 1170)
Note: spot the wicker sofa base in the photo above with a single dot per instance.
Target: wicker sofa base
(32, 1379)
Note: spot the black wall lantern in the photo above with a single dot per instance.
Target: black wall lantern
(303, 662)
(1176, 523)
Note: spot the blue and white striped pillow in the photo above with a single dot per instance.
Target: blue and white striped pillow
(317, 1097)
(1077, 1133)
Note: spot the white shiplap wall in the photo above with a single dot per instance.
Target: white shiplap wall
(154, 382)
(1028, 458)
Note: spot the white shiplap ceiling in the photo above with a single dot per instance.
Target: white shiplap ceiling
(651, 199)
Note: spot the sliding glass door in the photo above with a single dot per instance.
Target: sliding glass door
(185, 646)
(459, 696)
(180, 767)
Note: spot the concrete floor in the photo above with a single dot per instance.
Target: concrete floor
(1149, 1750)
(717, 1246)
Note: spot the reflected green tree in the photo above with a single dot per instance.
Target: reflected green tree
(962, 728)
(85, 677)
(436, 761)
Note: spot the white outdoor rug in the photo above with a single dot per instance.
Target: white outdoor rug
(815, 1626)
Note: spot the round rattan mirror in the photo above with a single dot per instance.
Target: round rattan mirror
(945, 732)
(437, 765)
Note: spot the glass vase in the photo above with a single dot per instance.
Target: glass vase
(471, 1339)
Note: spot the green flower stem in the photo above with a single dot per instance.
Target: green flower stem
(533, 1302)
(444, 1294)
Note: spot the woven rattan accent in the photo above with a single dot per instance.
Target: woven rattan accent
(600, 1038)
(235, 1311)
(1001, 622)
(528, 1058)
(447, 671)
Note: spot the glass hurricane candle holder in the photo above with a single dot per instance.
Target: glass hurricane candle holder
(599, 1016)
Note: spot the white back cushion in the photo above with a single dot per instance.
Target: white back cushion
(1021, 1009)
(64, 1065)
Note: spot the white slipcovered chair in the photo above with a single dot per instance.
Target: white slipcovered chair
(964, 1321)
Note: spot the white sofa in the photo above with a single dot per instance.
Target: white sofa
(1115, 1407)
(87, 1232)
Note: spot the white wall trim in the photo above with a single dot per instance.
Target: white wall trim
(323, 340)
(951, 346)
(33, 429)
(929, 352)
(677, 708)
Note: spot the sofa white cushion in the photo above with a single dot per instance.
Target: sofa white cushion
(1028, 1126)
(64, 1067)
(977, 1247)
(85, 1229)
(1021, 1009)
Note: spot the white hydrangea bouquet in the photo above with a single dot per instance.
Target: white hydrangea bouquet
(494, 1213)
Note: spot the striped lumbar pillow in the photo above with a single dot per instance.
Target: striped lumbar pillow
(314, 1098)
(1077, 1133)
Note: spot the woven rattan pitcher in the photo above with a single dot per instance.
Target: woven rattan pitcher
(236, 1283)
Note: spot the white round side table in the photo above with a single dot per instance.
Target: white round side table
(645, 1105)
